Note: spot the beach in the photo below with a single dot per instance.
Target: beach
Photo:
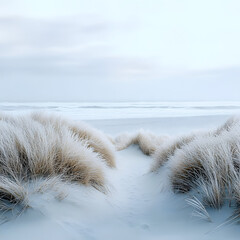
(139, 204)
(119, 120)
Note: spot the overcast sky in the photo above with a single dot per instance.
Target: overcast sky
(119, 50)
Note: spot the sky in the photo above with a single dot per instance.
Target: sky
(119, 50)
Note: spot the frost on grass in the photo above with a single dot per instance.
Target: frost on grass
(199, 209)
(46, 147)
(206, 163)
(147, 141)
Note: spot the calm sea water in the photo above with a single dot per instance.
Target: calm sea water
(119, 110)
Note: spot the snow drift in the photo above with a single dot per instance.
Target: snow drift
(205, 163)
(48, 149)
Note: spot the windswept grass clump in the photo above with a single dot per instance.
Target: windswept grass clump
(147, 141)
(206, 164)
(45, 146)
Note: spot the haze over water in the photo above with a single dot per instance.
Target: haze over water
(121, 110)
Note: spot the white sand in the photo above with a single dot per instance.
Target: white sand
(138, 206)
(170, 125)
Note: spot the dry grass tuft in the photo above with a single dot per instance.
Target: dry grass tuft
(147, 141)
(199, 209)
(207, 163)
(46, 146)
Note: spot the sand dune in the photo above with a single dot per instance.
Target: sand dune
(138, 205)
(42, 146)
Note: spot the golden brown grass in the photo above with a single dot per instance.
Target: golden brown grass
(208, 164)
(205, 163)
(41, 145)
(147, 141)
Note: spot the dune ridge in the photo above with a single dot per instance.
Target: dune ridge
(46, 147)
(205, 163)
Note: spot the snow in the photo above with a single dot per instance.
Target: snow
(139, 204)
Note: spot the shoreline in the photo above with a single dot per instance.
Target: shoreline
(163, 125)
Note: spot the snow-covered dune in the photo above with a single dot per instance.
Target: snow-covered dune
(139, 204)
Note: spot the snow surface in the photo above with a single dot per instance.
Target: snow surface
(139, 204)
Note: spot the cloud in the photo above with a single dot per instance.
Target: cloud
(40, 34)
(70, 46)
(123, 50)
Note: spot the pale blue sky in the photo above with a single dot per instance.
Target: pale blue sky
(110, 50)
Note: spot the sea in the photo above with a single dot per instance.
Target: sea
(123, 110)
